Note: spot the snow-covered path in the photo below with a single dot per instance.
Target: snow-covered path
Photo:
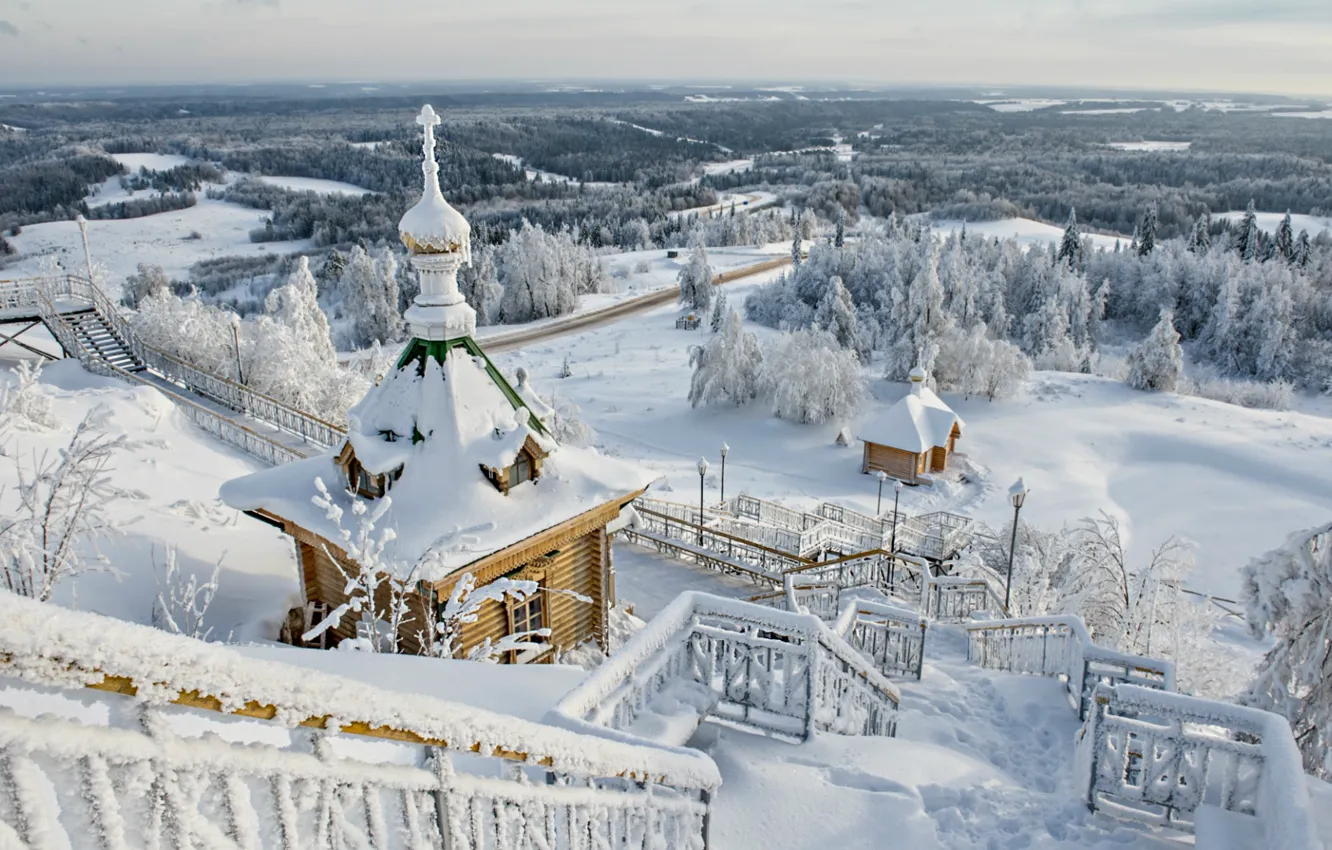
(982, 761)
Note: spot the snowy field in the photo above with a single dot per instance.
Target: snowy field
(167, 475)
(313, 184)
(1323, 113)
(1151, 147)
(1235, 481)
(150, 161)
(164, 239)
(1025, 230)
(742, 200)
(1269, 221)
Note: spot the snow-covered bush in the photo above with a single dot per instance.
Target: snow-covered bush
(695, 279)
(188, 329)
(1288, 595)
(1262, 395)
(24, 404)
(1157, 363)
(727, 368)
(182, 601)
(971, 363)
(50, 536)
(147, 281)
(810, 379)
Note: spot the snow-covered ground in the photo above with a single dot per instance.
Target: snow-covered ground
(742, 201)
(1233, 480)
(168, 475)
(164, 239)
(1020, 105)
(150, 161)
(313, 184)
(1115, 110)
(1322, 113)
(1025, 230)
(1151, 147)
(1270, 220)
(534, 173)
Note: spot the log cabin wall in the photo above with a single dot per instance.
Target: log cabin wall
(896, 462)
(939, 458)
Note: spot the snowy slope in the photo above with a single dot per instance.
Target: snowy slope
(168, 473)
(1234, 480)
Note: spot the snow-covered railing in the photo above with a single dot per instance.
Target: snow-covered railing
(187, 744)
(317, 432)
(773, 671)
(821, 600)
(794, 543)
(1162, 757)
(899, 577)
(953, 599)
(894, 637)
(678, 510)
(1061, 647)
(709, 546)
(219, 426)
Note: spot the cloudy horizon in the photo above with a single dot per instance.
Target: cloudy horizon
(1195, 45)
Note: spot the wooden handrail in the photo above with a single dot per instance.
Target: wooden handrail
(741, 540)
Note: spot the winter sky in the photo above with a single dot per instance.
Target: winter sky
(1278, 46)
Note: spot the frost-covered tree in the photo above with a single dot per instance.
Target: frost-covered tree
(50, 535)
(188, 329)
(728, 368)
(1288, 596)
(808, 378)
(695, 279)
(796, 251)
(1283, 241)
(182, 602)
(1157, 363)
(1147, 232)
(720, 310)
(148, 280)
(1303, 249)
(369, 290)
(1070, 246)
(24, 404)
(534, 271)
(479, 284)
(837, 315)
(1246, 235)
(1200, 241)
(839, 238)
(296, 306)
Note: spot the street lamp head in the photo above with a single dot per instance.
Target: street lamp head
(724, 450)
(1017, 494)
(897, 486)
(702, 466)
(883, 476)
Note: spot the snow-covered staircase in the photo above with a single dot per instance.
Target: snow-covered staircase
(99, 339)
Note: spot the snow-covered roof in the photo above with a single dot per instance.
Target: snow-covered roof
(917, 422)
(448, 414)
(433, 226)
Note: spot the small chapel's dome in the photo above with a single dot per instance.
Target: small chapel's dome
(918, 375)
(433, 226)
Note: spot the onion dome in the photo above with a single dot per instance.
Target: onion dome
(433, 226)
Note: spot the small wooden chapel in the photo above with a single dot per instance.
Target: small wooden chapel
(914, 437)
(475, 482)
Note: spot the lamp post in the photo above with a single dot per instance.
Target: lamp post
(702, 471)
(878, 506)
(1017, 494)
(725, 450)
(897, 494)
(235, 339)
(87, 255)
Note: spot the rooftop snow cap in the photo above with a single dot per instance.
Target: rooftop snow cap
(433, 226)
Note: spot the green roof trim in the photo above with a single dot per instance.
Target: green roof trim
(418, 350)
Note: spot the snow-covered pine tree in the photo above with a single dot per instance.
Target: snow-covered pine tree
(1157, 363)
(695, 279)
(839, 239)
(837, 315)
(1246, 235)
(728, 368)
(1147, 232)
(1288, 595)
(1200, 241)
(796, 259)
(1283, 241)
(720, 311)
(1070, 246)
(1303, 249)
